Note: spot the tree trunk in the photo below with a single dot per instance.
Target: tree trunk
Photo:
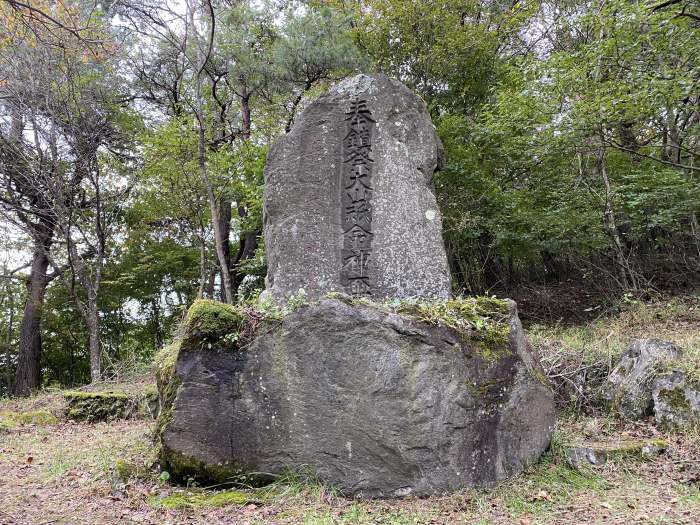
(225, 228)
(94, 335)
(158, 336)
(202, 264)
(627, 278)
(219, 239)
(28, 373)
(247, 245)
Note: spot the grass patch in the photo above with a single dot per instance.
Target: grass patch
(688, 494)
(358, 513)
(675, 320)
(9, 420)
(548, 485)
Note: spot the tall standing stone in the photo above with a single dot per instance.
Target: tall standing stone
(349, 201)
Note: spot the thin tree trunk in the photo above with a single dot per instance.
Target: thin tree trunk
(202, 264)
(219, 239)
(225, 228)
(626, 275)
(248, 241)
(157, 329)
(94, 336)
(245, 115)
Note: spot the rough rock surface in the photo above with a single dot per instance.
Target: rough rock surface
(376, 403)
(597, 454)
(93, 407)
(349, 200)
(628, 388)
(676, 401)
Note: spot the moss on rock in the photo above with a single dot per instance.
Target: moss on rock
(210, 322)
(182, 467)
(482, 320)
(207, 325)
(167, 383)
(597, 454)
(150, 401)
(192, 499)
(92, 407)
(677, 401)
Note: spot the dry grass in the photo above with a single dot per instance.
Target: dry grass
(578, 358)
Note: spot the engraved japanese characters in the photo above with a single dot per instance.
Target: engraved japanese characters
(356, 200)
(349, 200)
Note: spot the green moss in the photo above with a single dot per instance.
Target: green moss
(10, 420)
(150, 391)
(214, 322)
(150, 401)
(124, 469)
(92, 407)
(680, 413)
(165, 361)
(183, 467)
(79, 395)
(637, 448)
(642, 449)
(201, 499)
(484, 389)
(483, 320)
(676, 399)
(167, 382)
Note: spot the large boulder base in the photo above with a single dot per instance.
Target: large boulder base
(313, 209)
(374, 402)
(628, 388)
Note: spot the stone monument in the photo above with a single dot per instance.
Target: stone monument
(378, 398)
(349, 201)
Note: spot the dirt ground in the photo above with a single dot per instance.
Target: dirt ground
(67, 474)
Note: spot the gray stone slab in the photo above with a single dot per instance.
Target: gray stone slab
(349, 200)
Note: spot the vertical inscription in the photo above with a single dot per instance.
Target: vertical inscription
(356, 188)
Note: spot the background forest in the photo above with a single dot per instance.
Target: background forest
(133, 136)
